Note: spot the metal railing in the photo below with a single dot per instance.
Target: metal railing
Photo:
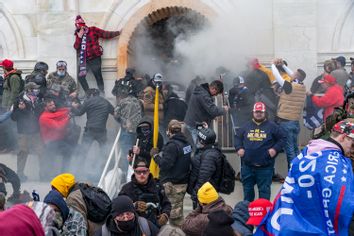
(111, 180)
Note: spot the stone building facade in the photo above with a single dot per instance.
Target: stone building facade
(305, 32)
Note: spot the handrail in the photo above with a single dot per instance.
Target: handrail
(115, 151)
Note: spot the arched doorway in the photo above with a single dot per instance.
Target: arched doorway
(155, 16)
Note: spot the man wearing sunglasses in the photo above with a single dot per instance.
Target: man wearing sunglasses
(149, 199)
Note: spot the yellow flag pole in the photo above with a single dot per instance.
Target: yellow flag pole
(154, 169)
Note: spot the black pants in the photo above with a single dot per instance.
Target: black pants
(95, 66)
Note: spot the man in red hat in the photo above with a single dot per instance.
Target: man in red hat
(89, 51)
(333, 97)
(13, 83)
(257, 143)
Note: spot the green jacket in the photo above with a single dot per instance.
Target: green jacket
(12, 88)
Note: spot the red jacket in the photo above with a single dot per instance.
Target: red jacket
(54, 125)
(93, 48)
(333, 97)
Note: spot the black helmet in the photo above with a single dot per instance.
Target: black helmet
(206, 136)
(41, 66)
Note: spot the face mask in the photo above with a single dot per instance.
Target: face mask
(145, 131)
(125, 225)
(61, 73)
(35, 92)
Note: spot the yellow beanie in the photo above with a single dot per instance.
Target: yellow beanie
(63, 183)
(207, 194)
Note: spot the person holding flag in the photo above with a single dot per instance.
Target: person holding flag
(317, 196)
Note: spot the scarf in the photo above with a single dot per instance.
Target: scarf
(82, 56)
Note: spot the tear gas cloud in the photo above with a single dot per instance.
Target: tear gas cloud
(199, 49)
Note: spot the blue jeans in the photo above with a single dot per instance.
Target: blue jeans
(262, 176)
(292, 129)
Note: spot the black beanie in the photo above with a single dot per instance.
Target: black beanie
(122, 204)
(219, 224)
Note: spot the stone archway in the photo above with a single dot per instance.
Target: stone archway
(152, 12)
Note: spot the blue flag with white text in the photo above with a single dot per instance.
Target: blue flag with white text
(317, 197)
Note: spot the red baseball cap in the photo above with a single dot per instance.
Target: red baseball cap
(259, 106)
(7, 64)
(257, 210)
(329, 79)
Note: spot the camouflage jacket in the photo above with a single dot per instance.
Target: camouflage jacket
(128, 113)
(67, 83)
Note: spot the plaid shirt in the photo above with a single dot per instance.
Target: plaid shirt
(93, 48)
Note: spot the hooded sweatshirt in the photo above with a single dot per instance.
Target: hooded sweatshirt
(20, 220)
(201, 107)
(146, 140)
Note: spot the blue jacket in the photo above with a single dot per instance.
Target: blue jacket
(256, 139)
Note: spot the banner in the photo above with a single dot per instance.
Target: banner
(316, 198)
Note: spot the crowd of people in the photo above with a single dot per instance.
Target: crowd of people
(266, 105)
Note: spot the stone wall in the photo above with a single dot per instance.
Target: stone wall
(305, 32)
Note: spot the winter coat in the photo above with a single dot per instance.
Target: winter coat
(67, 83)
(333, 97)
(149, 102)
(97, 110)
(128, 113)
(76, 201)
(28, 118)
(196, 221)
(146, 142)
(93, 48)
(150, 192)
(12, 88)
(174, 108)
(175, 160)
(201, 107)
(256, 139)
(54, 125)
(240, 216)
(206, 166)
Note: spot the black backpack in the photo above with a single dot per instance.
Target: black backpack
(227, 182)
(98, 203)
